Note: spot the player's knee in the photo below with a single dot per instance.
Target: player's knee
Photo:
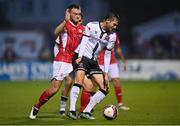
(69, 84)
(78, 85)
(54, 88)
(105, 92)
(80, 75)
(53, 80)
(79, 80)
(55, 85)
(116, 81)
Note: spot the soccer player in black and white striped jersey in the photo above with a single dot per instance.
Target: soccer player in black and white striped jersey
(97, 36)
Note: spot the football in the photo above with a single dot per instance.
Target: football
(110, 112)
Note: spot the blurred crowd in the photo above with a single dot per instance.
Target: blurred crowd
(160, 46)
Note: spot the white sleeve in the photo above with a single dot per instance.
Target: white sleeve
(82, 46)
(56, 49)
(57, 40)
(107, 58)
(110, 45)
(107, 54)
(84, 41)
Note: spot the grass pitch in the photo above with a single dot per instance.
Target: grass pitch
(151, 102)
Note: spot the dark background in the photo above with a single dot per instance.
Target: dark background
(135, 12)
(131, 12)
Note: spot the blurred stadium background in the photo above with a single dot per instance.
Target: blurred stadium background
(149, 33)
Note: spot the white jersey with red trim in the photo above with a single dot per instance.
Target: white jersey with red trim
(94, 40)
(113, 58)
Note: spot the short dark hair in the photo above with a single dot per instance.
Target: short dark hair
(73, 6)
(112, 15)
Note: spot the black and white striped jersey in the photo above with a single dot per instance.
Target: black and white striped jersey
(94, 40)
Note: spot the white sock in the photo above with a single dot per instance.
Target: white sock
(96, 98)
(73, 97)
(63, 102)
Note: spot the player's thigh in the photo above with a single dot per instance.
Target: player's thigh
(99, 79)
(114, 71)
(69, 80)
(61, 70)
(89, 85)
(79, 76)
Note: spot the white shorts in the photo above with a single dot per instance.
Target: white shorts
(113, 70)
(61, 69)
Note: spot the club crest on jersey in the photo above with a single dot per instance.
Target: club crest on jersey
(80, 31)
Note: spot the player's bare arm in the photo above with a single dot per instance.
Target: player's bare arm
(120, 53)
(106, 81)
(107, 57)
(60, 28)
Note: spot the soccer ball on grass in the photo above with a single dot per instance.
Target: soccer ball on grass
(110, 112)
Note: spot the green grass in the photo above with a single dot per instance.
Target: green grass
(151, 102)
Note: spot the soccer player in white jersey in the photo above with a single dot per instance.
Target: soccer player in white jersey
(97, 36)
(89, 88)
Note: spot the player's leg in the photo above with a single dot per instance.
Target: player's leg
(59, 73)
(79, 74)
(118, 93)
(114, 75)
(74, 93)
(117, 90)
(64, 95)
(97, 97)
(89, 89)
(45, 96)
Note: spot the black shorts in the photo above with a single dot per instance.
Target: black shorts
(89, 66)
(75, 66)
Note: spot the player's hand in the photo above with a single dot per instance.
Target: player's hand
(106, 83)
(67, 15)
(78, 60)
(125, 67)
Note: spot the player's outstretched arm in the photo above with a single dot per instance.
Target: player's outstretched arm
(120, 53)
(107, 57)
(60, 28)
